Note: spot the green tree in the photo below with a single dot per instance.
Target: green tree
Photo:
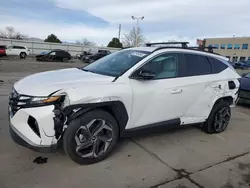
(115, 43)
(52, 38)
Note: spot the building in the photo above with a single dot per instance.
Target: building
(235, 48)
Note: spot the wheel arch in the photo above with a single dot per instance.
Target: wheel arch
(23, 53)
(116, 108)
(228, 99)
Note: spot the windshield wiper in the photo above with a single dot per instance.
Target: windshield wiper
(84, 70)
(89, 71)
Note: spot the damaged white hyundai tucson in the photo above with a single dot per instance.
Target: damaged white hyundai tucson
(88, 109)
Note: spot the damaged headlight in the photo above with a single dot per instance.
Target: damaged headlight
(30, 101)
(44, 100)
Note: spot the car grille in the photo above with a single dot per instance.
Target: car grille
(17, 101)
(244, 94)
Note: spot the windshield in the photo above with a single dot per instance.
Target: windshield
(42, 53)
(247, 75)
(116, 63)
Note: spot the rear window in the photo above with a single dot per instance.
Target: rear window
(18, 47)
(197, 65)
(217, 65)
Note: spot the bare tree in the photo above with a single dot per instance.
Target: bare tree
(10, 33)
(129, 39)
(85, 42)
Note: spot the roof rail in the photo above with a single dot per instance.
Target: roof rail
(201, 49)
(183, 44)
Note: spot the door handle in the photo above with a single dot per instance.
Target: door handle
(216, 86)
(175, 91)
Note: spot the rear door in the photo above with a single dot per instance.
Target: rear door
(202, 83)
(51, 56)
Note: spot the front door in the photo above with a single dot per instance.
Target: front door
(162, 98)
(51, 56)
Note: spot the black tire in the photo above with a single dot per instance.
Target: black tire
(23, 55)
(72, 137)
(65, 59)
(215, 122)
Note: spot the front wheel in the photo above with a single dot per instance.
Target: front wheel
(218, 119)
(91, 137)
(23, 55)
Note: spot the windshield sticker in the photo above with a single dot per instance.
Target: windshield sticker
(138, 54)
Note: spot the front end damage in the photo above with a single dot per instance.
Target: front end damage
(41, 126)
(37, 122)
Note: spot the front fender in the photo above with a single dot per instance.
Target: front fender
(116, 108)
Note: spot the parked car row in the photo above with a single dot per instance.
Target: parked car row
(241, 64)
(90, 58)
(54, 55)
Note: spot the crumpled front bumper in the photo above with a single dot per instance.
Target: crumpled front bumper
(23, 141)
(24, 135)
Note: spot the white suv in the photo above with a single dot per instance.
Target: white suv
(134, 89)
(20, 51)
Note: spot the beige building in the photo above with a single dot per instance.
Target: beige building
(235, 48)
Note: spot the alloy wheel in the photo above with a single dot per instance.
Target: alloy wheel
(93, 139)
(222, 118)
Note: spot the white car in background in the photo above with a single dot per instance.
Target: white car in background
(20, 51)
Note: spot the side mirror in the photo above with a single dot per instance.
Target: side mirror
(143, 75)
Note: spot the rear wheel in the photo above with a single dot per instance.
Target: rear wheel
(218, 119)
(23, 55)
(65, 59)
(91, 137)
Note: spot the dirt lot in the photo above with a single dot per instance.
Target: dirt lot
(184, 158)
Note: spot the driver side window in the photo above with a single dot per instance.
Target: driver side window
(52, 53)
(164, 66)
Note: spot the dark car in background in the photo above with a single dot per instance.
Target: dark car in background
(54, 55)
(84, 53)
(93, 57)
(248, 63)
(2, 50)
(244, 93)
(240, 65)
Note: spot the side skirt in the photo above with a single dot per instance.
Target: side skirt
(152, 128)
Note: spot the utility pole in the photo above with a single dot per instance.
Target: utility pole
(137, 27)
(119, 33)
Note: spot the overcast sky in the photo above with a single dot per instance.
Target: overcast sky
(98, 20)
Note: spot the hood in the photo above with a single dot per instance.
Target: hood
(245, 83)
(45, 83)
